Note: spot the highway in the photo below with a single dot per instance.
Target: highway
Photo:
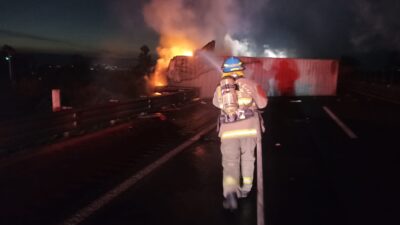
(327, 160)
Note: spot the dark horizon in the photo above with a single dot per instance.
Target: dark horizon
(310, 30)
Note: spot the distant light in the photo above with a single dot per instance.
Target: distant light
(8, 58)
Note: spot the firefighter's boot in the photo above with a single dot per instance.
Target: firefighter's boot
(230, 202)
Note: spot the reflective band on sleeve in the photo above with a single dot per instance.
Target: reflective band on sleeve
(244, 101)
(219, 95)
(219, 92)
(228, 180)
(247, 180)
(239, 133)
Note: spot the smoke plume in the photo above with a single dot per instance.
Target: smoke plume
(377, 25)
(186, 25)
(193, 22)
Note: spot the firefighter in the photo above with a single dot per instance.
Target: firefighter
(240, 127)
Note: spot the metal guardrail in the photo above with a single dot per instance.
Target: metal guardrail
(384, 92)
(388, 76)
(23, 132)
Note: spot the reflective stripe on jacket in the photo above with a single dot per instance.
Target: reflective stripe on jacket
(251, 127)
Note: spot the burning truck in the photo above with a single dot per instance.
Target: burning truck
(277, 76)
(195, 22)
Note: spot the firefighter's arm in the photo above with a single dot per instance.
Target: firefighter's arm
(260, 97)
(217, 99)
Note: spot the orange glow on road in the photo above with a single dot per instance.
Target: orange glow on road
(157, 94)
(200, 152)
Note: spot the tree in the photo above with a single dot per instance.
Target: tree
(145, 62)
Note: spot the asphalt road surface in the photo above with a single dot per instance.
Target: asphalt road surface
(327, 160)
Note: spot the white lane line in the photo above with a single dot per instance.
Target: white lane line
(260, 186)
(85, 212)
(344, 127)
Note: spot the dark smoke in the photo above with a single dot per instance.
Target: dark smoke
(378, 25)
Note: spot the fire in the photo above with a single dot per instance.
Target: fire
(169, 48)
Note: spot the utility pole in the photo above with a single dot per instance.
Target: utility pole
(8, 58)
(9, 53)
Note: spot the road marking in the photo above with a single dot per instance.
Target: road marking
(344, 127)
(100, 202)
(376, 97)
(260, 186)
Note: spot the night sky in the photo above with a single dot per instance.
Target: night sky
(75, 25)
(308, 28)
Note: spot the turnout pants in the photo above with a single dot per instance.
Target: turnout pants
(238, 162)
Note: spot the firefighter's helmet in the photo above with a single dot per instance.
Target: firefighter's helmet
(232, 66)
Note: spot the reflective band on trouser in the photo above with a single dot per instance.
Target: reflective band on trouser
(228, 180)
(239, 133)
(248, 180)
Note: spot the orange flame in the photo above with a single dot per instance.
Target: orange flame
(168, 49)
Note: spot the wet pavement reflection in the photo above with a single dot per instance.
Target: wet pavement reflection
(188, 190)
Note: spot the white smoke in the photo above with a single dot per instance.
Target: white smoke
(248, 48)
(274, 53)
(239, 47)
(199, 22)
